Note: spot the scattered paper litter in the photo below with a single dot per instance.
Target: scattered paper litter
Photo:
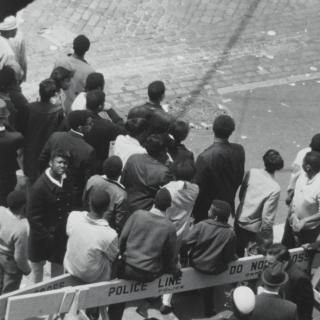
(298, 145)
(292, 84)
(262, 70)
(285, 105)
(269, 111)
(307, 74)
(180, 58)
(271, 33)
(313, 68)
(244, 137)
(220, 71)
(53, 48)
(221, 106)
(318, 81)
(226, 100)
(205, 125)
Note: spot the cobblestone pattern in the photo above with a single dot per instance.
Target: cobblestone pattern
(195, 46)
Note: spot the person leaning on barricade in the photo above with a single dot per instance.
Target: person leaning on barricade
(213, 247)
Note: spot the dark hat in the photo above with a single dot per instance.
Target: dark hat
(163, 199)
(220, 209)
(112, 167)
(274, 276)
(16, 199)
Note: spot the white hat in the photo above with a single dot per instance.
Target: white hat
(9, 23)
(244, 299)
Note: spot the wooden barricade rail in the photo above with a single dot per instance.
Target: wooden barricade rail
(36, 301)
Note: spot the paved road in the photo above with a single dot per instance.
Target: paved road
(258, 58)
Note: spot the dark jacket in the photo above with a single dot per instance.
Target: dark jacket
(272, 307)
(142, 177)
(299, 290)
(47, 211)
(10, 142)
(102, 133)
(148, 242)
(83, 160)
(220, 170)
(178, 152)
(213, 246)
(43, 119)
(118, 211)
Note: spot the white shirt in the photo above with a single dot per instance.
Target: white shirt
(306, 199)
(79, 102)
(296, 167)
(91, 249)
(126, 146)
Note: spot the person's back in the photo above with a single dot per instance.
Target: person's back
(272, 307)
(146, 239)
(89, 244)
(220, 168)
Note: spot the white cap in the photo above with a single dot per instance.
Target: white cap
(9, 23)
(244, 299)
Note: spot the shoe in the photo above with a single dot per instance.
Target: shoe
(165, 309)
(143, 312)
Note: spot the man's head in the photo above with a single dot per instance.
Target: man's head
(223, 126)
(155, 145)
(243, 301)
(81, 45)
(47, 90)
(277, 252)
(273, 277)
(136, 126)
(7, 78)
(179, 130)
(95, 100)
(184, 170)
(156, 91)
(112, 167)
(95, 80)
(272, 161)
(99, 201)
(162, 200)
(62, 77)
(315, 143)
(311, 163)
(59, 162)
(16, 201)
(220, 210)
(80, 121)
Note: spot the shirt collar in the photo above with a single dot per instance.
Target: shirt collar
(98, 222)
(264, 290)
(113, 181)
(157, 212)
(77, 133)
(53, 180)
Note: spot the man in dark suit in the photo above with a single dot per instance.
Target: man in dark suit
(10, 143)
(269, 305)
(103, 131)
(83, 157)
(220, 169)
(298, 289)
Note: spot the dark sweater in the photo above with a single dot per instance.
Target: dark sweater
(148, 242)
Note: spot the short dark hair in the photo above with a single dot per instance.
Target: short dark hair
(158, 121)
(81, 45)
(179, 130)
(47, 89)
(95, 80)
(155, 144)
(112, 167)
(156, 90)
(272, 160)
(223, 126)
(315, 142)
(135, 126)
(162, 200)
(99, 200)
(95, 98)
(279, 251)
(184, 170)
(312, 158)
(78, 118)
(7, 78)
(220, 209)
(60, 74)
(60, 153)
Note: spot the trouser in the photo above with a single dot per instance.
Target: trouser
(208, 303)
(243, 239)
(10, 275)
(7, 184)
(38, 267)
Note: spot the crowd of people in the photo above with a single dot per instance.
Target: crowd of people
(144, 207)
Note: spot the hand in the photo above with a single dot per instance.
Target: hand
(177, 274)
(298, 225)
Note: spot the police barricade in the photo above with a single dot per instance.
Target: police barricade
(36, 302)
